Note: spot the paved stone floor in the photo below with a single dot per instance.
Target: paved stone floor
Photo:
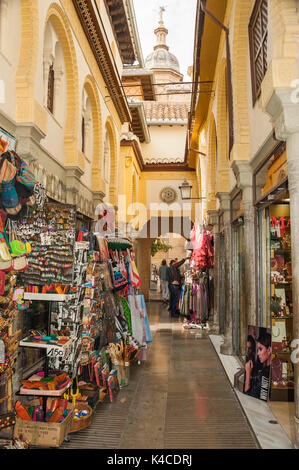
(180, 398)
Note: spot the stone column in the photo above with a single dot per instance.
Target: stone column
(244, 177)
(214, 222)
(284, 109)
(293, 176)
(227, 346)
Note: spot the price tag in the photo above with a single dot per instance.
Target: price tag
(55, 351)
(127, 364)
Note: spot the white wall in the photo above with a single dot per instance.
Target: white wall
(166, 142)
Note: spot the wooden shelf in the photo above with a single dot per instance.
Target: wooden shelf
(52, 350)
(52, 297)
(43, 393)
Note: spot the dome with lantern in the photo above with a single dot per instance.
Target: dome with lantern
(161, 58)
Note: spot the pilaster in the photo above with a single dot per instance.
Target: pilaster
(244, 176)
(224, 202)
(213, 220)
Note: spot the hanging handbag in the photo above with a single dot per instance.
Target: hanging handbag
(7, 169)
(133, 272)
(2, 282)
(9, 198)
(20, 263)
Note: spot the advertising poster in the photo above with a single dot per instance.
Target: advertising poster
(7, 141)
(257, 378)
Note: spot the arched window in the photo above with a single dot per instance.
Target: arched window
(86, 126)
(51, 82)
(54, 74)
(106, 159)
(83, 134)
(4, 28)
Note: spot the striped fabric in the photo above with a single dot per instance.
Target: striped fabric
(26, 176)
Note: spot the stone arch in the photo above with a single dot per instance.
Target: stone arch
(241, 150)
(212, 164)
(113, 183)
(92, 91)
(28, 59)
(61, 25)
(222, 182)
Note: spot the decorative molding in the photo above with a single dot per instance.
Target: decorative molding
(168, 195)
(95, 33)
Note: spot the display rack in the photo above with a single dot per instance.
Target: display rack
(44, 393)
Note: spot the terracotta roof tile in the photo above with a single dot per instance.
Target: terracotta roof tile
(165, 111)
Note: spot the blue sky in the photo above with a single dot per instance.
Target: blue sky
(179, 19)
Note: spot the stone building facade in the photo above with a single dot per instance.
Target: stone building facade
(249, 123)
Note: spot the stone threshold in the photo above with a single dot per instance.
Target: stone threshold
(258, 412)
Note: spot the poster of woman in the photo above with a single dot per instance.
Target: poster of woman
(258, 362)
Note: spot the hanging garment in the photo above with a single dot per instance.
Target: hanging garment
(138, 328)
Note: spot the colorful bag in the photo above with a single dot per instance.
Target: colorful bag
(4, 249)
(20, 263)
(133, 272)
(7, 170)
(2, 282)
(26, 176)
(9, 197)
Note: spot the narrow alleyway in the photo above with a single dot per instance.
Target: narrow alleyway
(179, 399)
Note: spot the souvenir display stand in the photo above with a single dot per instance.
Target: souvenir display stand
(19, 191)
(88, 322)
(196, 297)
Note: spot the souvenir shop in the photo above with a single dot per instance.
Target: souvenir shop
(72, 321)
(274, 260)
(197, 293)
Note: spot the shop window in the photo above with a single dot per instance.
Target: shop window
(275, 298)
(258, 42)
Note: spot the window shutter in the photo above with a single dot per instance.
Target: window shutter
(51, 79)
(258, 43)
(83, 135)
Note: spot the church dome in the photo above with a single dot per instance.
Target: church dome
(162, 59)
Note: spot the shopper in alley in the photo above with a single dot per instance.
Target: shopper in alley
(174, 285)
(164, 278)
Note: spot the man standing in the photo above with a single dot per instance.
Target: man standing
(163, 273)
(174, 285)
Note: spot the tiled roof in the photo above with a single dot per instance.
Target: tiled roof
(156, 111)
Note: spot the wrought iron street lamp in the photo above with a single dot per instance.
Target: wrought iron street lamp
(186, 191)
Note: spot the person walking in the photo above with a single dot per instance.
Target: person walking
(163, 273)
(174, 285)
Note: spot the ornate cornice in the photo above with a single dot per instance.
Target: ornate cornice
(95, 33)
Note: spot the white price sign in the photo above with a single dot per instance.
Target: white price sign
(55, 351)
